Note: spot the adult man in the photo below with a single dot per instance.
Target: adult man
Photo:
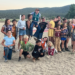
(42, 25)
(36, 17)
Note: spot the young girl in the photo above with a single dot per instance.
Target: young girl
(28, 23)
(38, 51)
(22, 29)
(64, 34)
(51, 50)
(14, 31)
(57, 38)
(6, 27)
(9, 43)
(73, 38)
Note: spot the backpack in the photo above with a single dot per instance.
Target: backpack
(73, 35)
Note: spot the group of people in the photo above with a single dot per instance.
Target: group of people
(59, 33)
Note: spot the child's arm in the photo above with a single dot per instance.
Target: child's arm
(57, 30)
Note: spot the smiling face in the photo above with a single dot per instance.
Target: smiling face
(25, 39)
(8, 22)
(23, 17)
(9, 33)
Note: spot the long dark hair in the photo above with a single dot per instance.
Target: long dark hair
(6, 22)
(29, 15)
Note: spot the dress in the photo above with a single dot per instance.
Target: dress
(51, 31)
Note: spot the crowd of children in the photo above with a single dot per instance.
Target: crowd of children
(57, 41)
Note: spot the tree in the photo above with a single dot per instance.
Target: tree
(71, 12)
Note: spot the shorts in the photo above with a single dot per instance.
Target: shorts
(63, 38)
(25, 53)
(22, 32)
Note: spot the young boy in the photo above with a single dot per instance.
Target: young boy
(38, 51)
(14, 31)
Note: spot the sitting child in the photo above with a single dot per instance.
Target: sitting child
(38, 51)
(51, 50)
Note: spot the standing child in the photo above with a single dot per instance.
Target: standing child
(38, 51)
(51, 50)
(57, 38)
(14, 31)
(64, 34)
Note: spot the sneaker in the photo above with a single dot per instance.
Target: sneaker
(5, 60)
(14, 51)
(63, 50)
(67, 49)
(19, 59)
(60, 51)
(18, 50)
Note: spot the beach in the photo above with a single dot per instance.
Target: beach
(59, 64)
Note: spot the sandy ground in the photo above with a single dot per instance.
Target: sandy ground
(59, 64)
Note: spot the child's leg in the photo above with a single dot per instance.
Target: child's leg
(73, 45)
(59, 49)
(6, 52)
(62, 44)
(56, 43)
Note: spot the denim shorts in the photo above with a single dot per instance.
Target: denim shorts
(22, 32)
(63, 38)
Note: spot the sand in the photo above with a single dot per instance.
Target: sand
(59, 64)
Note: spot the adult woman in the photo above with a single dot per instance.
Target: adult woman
(6, 27)
(28, 23)
(22, 29)
(25, 48)
(51, 31)
(9, 43)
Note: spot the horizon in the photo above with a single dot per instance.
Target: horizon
(20, 4)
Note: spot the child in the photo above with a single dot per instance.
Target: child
(73, 38)
(25, 48)
(14, 31)
(57, 38)
(51, 50)
(38, 51)
(64, 34)
(9, 43)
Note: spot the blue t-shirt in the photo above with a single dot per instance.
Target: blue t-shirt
(9, 41)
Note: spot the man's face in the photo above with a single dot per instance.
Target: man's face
(59, 18)
(36, 11)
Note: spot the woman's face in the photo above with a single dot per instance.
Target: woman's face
(73, 21)
(30, 17)
(8, 22)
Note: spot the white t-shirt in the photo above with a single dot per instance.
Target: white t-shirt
(21, 24)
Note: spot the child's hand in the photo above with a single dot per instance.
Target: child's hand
(41, 53)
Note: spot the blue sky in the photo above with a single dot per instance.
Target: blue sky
(19, 4)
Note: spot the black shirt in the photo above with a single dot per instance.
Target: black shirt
(43, 26)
